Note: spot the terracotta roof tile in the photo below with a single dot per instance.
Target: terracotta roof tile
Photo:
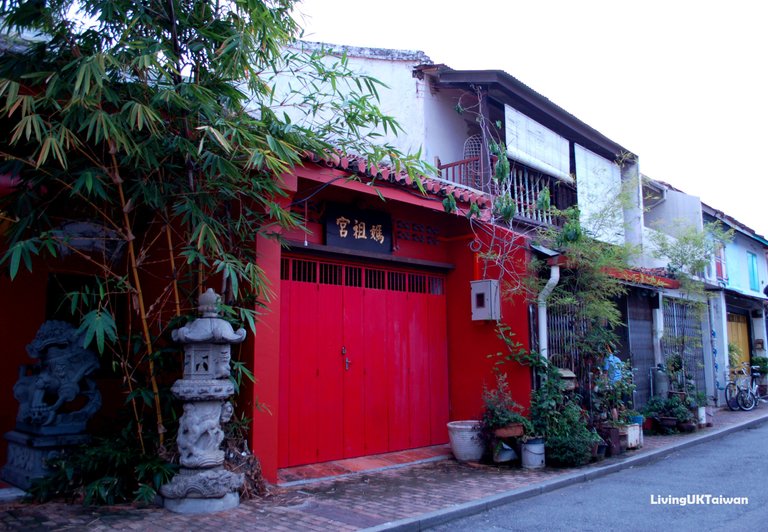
(431, 185)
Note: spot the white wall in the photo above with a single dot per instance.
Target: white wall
(633, 203)
(599, 189)
(646, 258)
(737, 265)
(676, 212)
(445, 129)
(402, 98)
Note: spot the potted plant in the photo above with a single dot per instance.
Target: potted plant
(557, 416)
(668, 413)
(502, 416)
(762, 363)
(599, 447)
(569, 442)
(698, 404)
(680, 410)
(611, 393)
(672, 413)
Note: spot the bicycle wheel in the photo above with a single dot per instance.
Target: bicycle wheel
(731, 396)
(746, 400)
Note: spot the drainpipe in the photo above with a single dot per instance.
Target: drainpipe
(554, 278)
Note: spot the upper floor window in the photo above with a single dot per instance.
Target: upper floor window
(754, 281)
(720, 267)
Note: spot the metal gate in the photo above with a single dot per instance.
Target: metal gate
(683, 337)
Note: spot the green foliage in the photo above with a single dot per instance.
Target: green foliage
(687, 248)
(558, 416)
(502, 168)
(588, 289)
(614, 395)
(167, 127)
(505, 208)
(449, 204)
(688, 251)
(762, 363)
(674, 406)
(555, 413)
(543, 200)
(98, 325)
(500, 409)
(735, 355)
(570, 450)
(105, 471)
(571, 232)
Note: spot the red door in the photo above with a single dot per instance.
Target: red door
(364, 361)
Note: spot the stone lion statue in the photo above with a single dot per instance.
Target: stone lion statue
(56, 394)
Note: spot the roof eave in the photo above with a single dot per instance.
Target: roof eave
(554, 116)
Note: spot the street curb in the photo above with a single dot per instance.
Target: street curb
(439, 517)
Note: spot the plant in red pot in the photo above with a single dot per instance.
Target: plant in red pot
(502, 416)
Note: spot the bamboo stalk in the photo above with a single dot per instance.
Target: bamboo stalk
(176, 297)
(140, 298)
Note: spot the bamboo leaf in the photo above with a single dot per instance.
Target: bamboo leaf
(99, 325)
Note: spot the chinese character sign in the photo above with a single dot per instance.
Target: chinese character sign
(355, 229)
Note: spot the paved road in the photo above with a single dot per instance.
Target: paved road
(733, 466)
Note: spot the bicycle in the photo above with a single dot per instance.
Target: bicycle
(749, 398)
(734, 387)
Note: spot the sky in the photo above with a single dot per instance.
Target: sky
(682, 84)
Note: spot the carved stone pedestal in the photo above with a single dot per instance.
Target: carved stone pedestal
(195, 491)
(28, 454)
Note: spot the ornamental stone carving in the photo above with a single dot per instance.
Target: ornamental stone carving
(56, 396)
(59, 378)
(203, 485)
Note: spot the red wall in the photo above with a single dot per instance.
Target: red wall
(21, 313)
(266, 365)
(470, 342)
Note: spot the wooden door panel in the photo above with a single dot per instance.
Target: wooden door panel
(397, 371)
(375, 374)
(418, 374)
(302, 435)
(329, 375)
(738, 334)
(353, 367)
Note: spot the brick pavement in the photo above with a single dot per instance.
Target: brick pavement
(351, 503)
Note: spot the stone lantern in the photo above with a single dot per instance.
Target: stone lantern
(202, 484)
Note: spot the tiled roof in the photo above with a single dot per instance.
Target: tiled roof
(431, 186)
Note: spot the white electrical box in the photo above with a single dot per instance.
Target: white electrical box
(486, 300)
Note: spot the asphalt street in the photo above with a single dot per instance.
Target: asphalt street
(690, 489)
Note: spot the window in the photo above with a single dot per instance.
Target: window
(754, 281)
(720, 267)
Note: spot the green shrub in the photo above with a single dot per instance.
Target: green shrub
(105, 471)
(568, 451)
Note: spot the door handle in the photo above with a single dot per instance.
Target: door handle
(347, 362)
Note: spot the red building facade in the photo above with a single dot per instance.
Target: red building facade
(366, 344)
(370, 347)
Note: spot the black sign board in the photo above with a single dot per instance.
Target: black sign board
(350, 228)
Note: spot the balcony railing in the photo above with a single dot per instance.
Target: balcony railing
(525, 186)
(467, 172)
